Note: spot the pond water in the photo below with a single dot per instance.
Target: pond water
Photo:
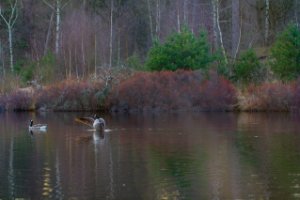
(169, 156)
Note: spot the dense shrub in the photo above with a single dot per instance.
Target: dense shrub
(268, 97)
(247, 68)
(217, 93)
(296, 97)
(286, 54)
(180, 51)
(2, 102)
(71, 95)
(166, 90)
(19, 101)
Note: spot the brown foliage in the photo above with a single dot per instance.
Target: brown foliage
(296, 100)
(180, 90)
(71, 95)
(19, 101)
(268, 97)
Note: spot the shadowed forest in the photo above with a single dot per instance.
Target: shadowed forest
(150, 55)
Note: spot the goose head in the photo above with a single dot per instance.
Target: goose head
(31, 123)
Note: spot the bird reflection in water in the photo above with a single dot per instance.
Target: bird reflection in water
(96, 137)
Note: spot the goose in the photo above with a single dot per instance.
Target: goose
(37, 127)
(95, 122)
(99, 123)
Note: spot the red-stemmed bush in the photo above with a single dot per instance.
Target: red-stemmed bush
(19, 101)
(217, 94)
(166, 90)
(71, 96)
(296, 100)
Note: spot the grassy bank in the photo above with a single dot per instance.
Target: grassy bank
(156, 91)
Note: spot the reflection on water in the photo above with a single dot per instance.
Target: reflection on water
(175, 156)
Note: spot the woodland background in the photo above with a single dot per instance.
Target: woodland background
(46, 41)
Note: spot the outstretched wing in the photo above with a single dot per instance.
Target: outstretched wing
(85, 120)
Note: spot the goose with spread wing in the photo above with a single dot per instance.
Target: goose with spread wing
(95, 122)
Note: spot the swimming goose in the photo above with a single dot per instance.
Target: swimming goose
(96, 122)
(37, 127)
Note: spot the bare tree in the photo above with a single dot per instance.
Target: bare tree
(296, 10)
(48, 34)
(150, 19)
(57, 6)
(185, 12)
(235, 30)
(267, 20)
(2, 59)
(10, 22)
(178, 17)
(157, 24)
(111, 33)
(217, 28)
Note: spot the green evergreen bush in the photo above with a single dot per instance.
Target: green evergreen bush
(180, 51)
(247, 68)
(285, 54)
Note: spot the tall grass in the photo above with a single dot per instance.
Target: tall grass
(268, 97)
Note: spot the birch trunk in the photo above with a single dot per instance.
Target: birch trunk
(215, 26)
(11, 54)
(111, 33)
(267, 21)
(10, 22)
(235, 17)
(57, 9)
(218, 29)
(2, 60)
(48, 35)
(150, 20)
(83, 55)
(185, 19)
(296, 13)
(57, 29)
(178, 18)
(157, 25)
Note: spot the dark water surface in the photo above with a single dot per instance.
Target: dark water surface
(174, 156)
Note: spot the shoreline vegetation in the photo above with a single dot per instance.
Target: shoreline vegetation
(143, 92)
(182, 73)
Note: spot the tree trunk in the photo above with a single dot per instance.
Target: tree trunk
(215, 25)
(11, 54)
(150, 20)
(185, 19)
(235, 17)
(57, 8)
(57, 29)
(157, 25)
(111, 34)
(267, 21)
(218, 32)
(296, 13)
(83, 55)
(10, 22)
(178, 17)
(2, 59)
(48, 35)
